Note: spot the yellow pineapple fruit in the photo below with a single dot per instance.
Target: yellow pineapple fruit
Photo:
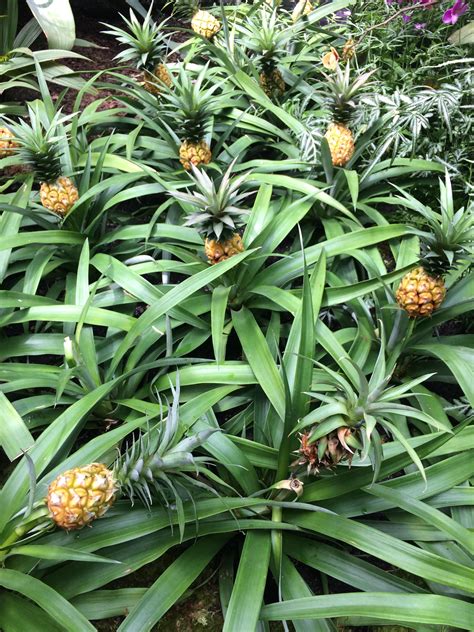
(342, 102)
(194, 153)
(447, 241)
(7, 143)
(59, 196)
(419, 293)
(341, 143)
(205, 24)
(79, 496)
(152, 80)
(217, 251)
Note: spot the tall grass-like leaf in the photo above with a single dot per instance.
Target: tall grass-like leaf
(171, 585)
(15, 438)
(247, 595)
(430, 609)
(48, 599)
(260, 358)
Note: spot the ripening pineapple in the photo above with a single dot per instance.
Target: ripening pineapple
(266, 36)
(7, 142)
(340, 138)
(78, 496)
(217, 215)
(448, 242)
(40, 148)
(202, 22)
(146, 49)
(190, 108)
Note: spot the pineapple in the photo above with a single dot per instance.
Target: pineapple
(7, 142)
(447, 244)
(267, 37)
(40, 148)
(217, 216)
(191, 107)
(202, 22)
(78, 496)
(340, 138)
(146, 49)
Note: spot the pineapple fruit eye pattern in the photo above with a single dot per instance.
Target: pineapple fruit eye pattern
(236, 297)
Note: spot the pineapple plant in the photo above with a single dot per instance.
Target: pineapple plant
(448, 242)
(7, 142)
(40, 147)
(146, 48)
(354, 417)
(342, 104)
(202, 22)
(145, 470)
(265, 35)
(190, 108)
(216, 215)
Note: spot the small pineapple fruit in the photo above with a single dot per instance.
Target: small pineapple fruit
(267, 37)
(59, 196)
(340, 138)
(190, 109)
(217, 251)
(202, 22)
(146, 48)
(40, 148)
(420, 293)
(205, 24)
(217, 216)
(194, 153)
(448, 242)
(272, 83)
(7, 142)
(80, 495)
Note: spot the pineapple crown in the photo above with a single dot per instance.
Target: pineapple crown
(342, 100)
(41, 141)
(265, 35)
(145, 41)
(156, 460)
(449, 239)
(184, 8)
(217, 212)
(192, 103)
(355, 409)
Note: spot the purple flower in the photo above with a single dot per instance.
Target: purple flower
(452, 15)
(420, 26)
